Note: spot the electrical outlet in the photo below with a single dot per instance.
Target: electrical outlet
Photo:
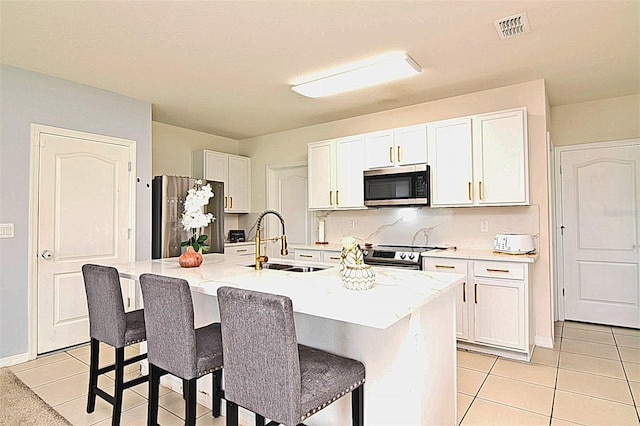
(6, 230)
(352, 224)
(484, 226)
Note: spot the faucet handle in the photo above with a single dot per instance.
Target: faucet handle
(284, 251)
(262, 259)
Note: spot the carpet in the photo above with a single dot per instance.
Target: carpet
(19, 405)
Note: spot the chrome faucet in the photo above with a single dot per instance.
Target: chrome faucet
(283, 251)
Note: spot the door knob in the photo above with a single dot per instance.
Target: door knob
(46, 254)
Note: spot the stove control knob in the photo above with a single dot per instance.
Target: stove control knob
(411, 256)
(365, 252)
(402, 256)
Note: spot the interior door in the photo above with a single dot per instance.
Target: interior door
(86, 212)
(287, 194)
(600, 219)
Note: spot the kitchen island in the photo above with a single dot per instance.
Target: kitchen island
(402, 329)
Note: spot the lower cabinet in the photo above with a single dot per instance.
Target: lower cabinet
(492, 309)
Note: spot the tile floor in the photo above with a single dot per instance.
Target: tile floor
(592, 376)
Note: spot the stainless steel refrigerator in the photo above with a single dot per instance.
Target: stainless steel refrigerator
(168, 196)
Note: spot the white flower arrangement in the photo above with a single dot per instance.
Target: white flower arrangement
(194, 216)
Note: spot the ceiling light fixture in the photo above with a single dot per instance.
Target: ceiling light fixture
(372, 71)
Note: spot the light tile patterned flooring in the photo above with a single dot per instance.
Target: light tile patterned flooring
(592, 376)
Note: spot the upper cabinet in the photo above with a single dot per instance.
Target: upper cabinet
(233, 170)
(336, 174)
(480, 160)
(396, 147)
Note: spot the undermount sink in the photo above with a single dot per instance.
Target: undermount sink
(288, 268)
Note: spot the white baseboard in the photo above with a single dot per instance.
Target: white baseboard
(14, 359)
(545, 342)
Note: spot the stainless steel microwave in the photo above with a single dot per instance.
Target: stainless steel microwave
(397, 186)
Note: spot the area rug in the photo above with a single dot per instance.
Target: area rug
(19, 405)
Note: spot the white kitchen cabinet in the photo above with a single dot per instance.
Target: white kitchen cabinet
(493, 313)
(335, 170)
(456, 266)
(450, 157)
(396, 147)
(480, 160)
(233, 170)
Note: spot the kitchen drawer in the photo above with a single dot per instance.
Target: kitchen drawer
(499, 270)
(311, 255)
(331, 256)
(244, 250)
(457, 266)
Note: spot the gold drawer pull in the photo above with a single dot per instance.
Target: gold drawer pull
(445, 266)
(241, 250)
(334, 258)
(506, 271)
(306, 255)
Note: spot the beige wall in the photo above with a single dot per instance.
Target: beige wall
(172, 146)
(596, 121)
(291, 146)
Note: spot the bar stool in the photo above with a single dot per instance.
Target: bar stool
(110, 324)
(269, 373)
(175, 346)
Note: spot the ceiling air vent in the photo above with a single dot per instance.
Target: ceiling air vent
(512, 26)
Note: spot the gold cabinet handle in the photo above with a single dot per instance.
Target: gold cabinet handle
(330, 198)
(506, 271)
(464, 292)
(445, 266)
(399, 156)
(337, 198)
(475, 292)
(230, 202)
(480, 189)
(306, 255)
(391, 154)
(225, 202)
(469, 191)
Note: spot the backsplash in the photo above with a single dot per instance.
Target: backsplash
(421, 226)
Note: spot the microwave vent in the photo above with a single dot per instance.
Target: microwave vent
(512, 26)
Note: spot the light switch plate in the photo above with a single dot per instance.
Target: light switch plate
(6, 230)
(484, 226)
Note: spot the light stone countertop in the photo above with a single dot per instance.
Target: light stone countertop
(395, 294)
(481, 254)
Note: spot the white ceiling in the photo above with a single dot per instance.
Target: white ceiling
(225, 67)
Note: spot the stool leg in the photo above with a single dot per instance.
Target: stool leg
(119, 389)
(259, 420)
(93, 375)
(232, 414)
(154, 391)
(357, 406)
(217, 392)
(190, 403)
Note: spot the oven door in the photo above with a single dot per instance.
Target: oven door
(394, 265)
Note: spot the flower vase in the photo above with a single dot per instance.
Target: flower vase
(190, 258)
(355, 274)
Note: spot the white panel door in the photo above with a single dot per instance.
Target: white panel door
(287, 194)
(600, 194)
(86, 208)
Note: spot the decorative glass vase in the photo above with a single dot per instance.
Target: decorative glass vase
(190, 258)
(355, 274)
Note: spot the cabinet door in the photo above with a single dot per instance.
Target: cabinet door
(216, 167)
(499, 307)
(379, 150)
(501, 158)
(239, 178)
(321, 175)
(349, 188)
(462, 291)
(450, 156)
(411, 145)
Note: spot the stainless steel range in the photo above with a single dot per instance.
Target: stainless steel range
(396, 256)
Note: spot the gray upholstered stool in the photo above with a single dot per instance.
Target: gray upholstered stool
(267, 372)
(174, 346)
(109, 323)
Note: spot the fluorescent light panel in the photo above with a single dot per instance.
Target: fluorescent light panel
(374, 71)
